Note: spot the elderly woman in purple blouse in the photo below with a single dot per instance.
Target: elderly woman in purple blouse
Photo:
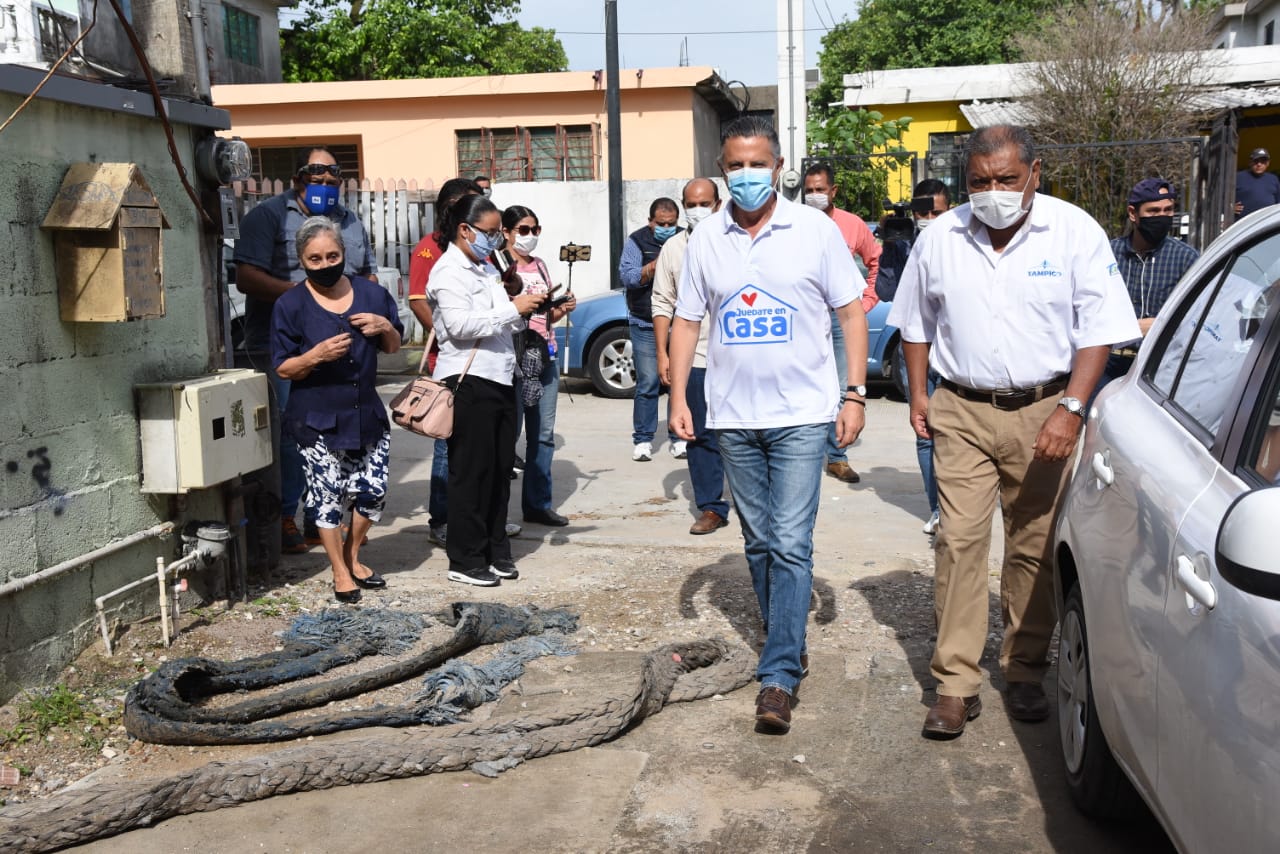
(326, 333)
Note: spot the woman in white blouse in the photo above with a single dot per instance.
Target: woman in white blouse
(475, 322)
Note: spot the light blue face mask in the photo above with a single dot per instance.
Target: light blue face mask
(663, 233)
(750, 187)
(484, 245)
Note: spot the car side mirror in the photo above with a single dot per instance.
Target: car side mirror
(1246, 552)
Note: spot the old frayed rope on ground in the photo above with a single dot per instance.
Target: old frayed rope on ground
(674, 673)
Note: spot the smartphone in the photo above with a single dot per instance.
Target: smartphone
(560, 300)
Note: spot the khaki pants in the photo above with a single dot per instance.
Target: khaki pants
(981, 452)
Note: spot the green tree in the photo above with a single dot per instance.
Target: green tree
(864, 150)
(398, 39)
(922, 34)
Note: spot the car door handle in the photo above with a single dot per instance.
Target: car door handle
(1197, 588)
(1102, 468)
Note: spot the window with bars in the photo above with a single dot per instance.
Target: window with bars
(57, 32)
(555, 153)
(240, 36)
(279, 163)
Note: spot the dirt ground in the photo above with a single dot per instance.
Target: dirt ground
(853, 774)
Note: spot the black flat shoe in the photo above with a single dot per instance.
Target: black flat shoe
(347, 597)
(550, 518)
(371, 582)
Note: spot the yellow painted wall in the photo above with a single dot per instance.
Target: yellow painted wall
(406, 129)
(926, 118)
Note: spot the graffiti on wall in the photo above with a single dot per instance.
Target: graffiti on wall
(40, 469)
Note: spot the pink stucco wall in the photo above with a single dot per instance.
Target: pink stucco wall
(405, 128)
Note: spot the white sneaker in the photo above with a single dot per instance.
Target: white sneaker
(680, 449)
(931, 527)
(437, 534)
(513, 530)
(642, 452)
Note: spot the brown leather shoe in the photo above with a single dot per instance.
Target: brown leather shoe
(841, 471)
(1025, 701)
(949, 715)
(773, 710)
(708, 522)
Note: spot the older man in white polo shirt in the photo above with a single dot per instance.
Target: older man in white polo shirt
(1015, 300)
(764, 273)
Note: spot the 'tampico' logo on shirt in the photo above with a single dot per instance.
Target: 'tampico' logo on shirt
(1045, 268)
(755, 316)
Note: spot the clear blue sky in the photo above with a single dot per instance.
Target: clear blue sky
(736, 36)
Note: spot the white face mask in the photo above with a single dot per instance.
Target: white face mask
(696, 215)
(817, 200)
(526, 243)
(922, 224)
(999, 208)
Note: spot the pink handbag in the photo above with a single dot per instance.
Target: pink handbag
(425, 405)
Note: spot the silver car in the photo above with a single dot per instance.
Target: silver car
(1167, 565)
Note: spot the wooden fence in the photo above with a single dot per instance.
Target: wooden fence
(395, 213)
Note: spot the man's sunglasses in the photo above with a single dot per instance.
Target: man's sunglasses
(525, 230)
(315, 169)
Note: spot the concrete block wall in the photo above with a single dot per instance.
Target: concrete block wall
(69, 452)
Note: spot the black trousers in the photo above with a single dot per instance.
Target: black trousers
(481, 453)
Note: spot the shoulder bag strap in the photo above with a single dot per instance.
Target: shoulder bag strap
(431, 338)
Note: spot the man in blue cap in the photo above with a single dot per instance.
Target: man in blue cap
(1150, 261)
(1256, 187)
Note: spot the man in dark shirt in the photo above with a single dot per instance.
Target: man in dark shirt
(267, 267)
(1256, 188)
(1150, 261)
(636, 269)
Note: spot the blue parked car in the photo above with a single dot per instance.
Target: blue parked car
(597, 345)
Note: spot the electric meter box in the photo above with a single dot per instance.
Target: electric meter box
(201, 432)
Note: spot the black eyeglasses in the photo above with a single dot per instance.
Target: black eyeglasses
(525, 230)
(315, 169)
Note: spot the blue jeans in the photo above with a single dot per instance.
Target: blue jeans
(924, 454)
(438, 497)
(540, 443)
(775, 476)
(292, 465)
(705, 467)
(835, 453)
(644, 408)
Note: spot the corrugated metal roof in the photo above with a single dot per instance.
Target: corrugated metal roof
(985, 113)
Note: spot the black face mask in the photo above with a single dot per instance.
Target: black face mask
(325, 277)
(1154, 229)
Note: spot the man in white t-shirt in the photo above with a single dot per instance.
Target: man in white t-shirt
(1014, 299)
(764, 273)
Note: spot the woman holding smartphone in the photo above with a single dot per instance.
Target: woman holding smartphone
(476, 321)
(539, 369)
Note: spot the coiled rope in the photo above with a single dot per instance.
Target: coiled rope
(678, 672)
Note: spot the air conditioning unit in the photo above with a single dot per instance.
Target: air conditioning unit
(204, 431)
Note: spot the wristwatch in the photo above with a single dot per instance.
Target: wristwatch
(1072, 405)
(859, 390)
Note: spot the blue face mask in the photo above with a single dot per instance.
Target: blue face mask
(484, 245)
(750, 187)
(320, 198)
(663, 233)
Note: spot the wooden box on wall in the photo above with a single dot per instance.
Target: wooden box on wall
(108, 250)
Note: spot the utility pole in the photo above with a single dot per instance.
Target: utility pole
(791, 94)
(614, 131)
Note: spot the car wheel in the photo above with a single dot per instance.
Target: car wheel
(1097, 785)
(898, 368)
(611, 365)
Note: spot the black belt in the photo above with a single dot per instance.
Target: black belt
(1009, 398)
